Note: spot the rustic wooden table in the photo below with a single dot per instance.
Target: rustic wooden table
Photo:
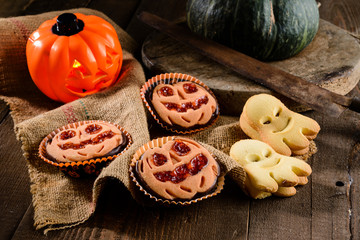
(326, 208)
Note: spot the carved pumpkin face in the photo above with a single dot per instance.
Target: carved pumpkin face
(179, 169)
(185, 104)
(73, 55)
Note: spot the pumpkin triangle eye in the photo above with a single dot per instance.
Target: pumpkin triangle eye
(111, 56)
(78, 70)
(76, 64)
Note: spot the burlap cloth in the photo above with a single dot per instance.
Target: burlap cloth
(60, 201)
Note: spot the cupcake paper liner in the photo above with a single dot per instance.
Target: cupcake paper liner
(170, 78)
(158, 143)
(91, 167)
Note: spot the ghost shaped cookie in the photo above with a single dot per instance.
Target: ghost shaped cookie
(266, 118)
(268, 172)
(178, 169)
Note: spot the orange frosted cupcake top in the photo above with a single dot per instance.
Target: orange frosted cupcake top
(84, 142)
(179, 169)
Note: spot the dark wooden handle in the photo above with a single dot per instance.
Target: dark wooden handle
(355, 104)
(265, 74)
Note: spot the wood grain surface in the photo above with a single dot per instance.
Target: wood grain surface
(344, 14)
(15, 197)
(326, 208)
(331, 61)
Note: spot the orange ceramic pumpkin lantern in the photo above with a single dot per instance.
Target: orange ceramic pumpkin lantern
(73, 55)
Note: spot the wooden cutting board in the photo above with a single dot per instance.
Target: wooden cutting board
(332, 61)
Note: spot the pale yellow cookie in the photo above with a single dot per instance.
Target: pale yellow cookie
(285, 192)
(266, 118)
(290, 191)
(303, 180)
(267, 170)
(251, 191)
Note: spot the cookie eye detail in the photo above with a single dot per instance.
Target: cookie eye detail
(181, 148)
(265, 120)
(277, 112)
(93, 129)
(159, 159)
(166, 91)
(67, 134)
(267, 153)
(253, 157)
(190, 87)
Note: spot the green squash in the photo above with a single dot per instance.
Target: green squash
(264, 29)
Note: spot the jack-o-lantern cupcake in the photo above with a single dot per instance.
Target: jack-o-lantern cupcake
(84, 148)
(176, 170)
(180, 103)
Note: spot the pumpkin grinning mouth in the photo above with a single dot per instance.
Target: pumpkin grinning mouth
(75, 90)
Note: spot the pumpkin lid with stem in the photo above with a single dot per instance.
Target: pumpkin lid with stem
(67, 24)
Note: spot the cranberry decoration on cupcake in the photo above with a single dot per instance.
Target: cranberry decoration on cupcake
(176, 170)
(83, 148)
(180, 103)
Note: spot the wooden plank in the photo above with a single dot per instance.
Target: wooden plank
(353, 183)
(315, 64)
(12, 8)
(4, 110)
(320, 209)
(170, 10)
(14, 181)
(25, 229)
(120, 11)
(354, 189)
(39, 6)
(331, 200)
(282, 218)
(118, 216)
(344, 14)
(225, 216)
